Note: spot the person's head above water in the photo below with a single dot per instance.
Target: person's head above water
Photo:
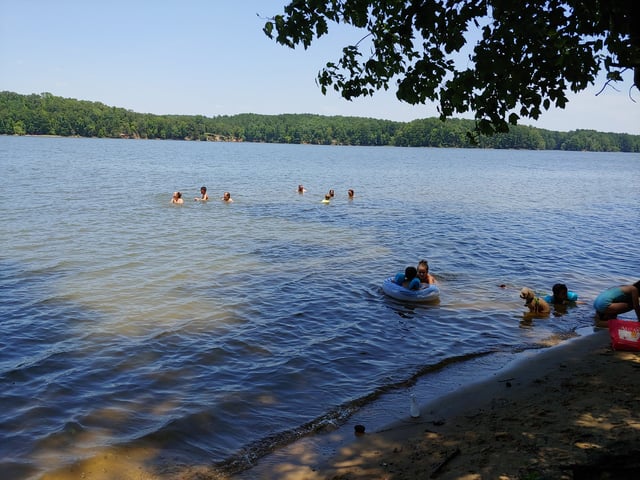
(423, 267)
(560, 292)
(410, 273)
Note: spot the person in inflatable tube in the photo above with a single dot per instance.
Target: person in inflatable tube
(617, 300)
(409, 279)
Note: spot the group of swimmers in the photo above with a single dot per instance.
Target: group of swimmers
(608, 305)
(329, 195)
(226, 196)
(177, 197)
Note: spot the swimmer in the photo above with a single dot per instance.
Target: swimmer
(177, 198)
(561, 295)
(350, 193)
(203, 195)
(326, 199)
(332, 193)
(423, 273)
(617, 300)
(301, 189)
(226, 197)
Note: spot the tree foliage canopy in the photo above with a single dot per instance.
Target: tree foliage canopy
(47, 114)
(527, 56)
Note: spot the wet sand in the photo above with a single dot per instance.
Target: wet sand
(569, 412)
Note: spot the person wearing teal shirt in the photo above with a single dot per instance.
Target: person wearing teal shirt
(617, 300)
(561, 295)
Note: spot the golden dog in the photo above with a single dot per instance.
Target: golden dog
(536, 304)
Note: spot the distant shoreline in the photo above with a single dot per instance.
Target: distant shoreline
(48, 115)
(276, 143)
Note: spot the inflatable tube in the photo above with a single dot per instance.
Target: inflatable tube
(571, 297)
(426, 294)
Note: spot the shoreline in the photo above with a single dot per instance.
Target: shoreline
(546, 414)
(563, 412)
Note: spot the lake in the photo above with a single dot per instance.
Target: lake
(213, 333)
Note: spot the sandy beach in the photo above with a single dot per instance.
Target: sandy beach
(568, 412)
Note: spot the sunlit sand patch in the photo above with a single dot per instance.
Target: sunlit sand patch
(554, 340)
(266, 399)
(166, 407)
(588, 420)
(121, 464)
(629, 356)
(108, 416)
(299, 465)
(587, 445)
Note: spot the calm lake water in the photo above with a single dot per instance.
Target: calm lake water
(210, 332)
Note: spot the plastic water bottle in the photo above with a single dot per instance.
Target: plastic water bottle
(415, 409)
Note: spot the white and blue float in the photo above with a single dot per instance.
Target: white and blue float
(429, 293)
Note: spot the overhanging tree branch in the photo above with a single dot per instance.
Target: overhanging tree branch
(530, 54)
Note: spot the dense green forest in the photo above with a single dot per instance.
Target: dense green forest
(46, 114)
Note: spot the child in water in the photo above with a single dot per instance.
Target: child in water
(561, 295)
(409, 279)
(617, 300)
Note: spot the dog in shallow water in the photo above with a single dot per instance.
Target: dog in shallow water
(535, 304)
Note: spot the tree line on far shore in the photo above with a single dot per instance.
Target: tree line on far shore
(46, 114)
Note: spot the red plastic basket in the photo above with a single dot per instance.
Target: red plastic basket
(625, 335)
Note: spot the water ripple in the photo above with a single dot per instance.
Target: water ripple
(215, 333)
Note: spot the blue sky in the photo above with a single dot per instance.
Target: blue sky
(212, 58)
